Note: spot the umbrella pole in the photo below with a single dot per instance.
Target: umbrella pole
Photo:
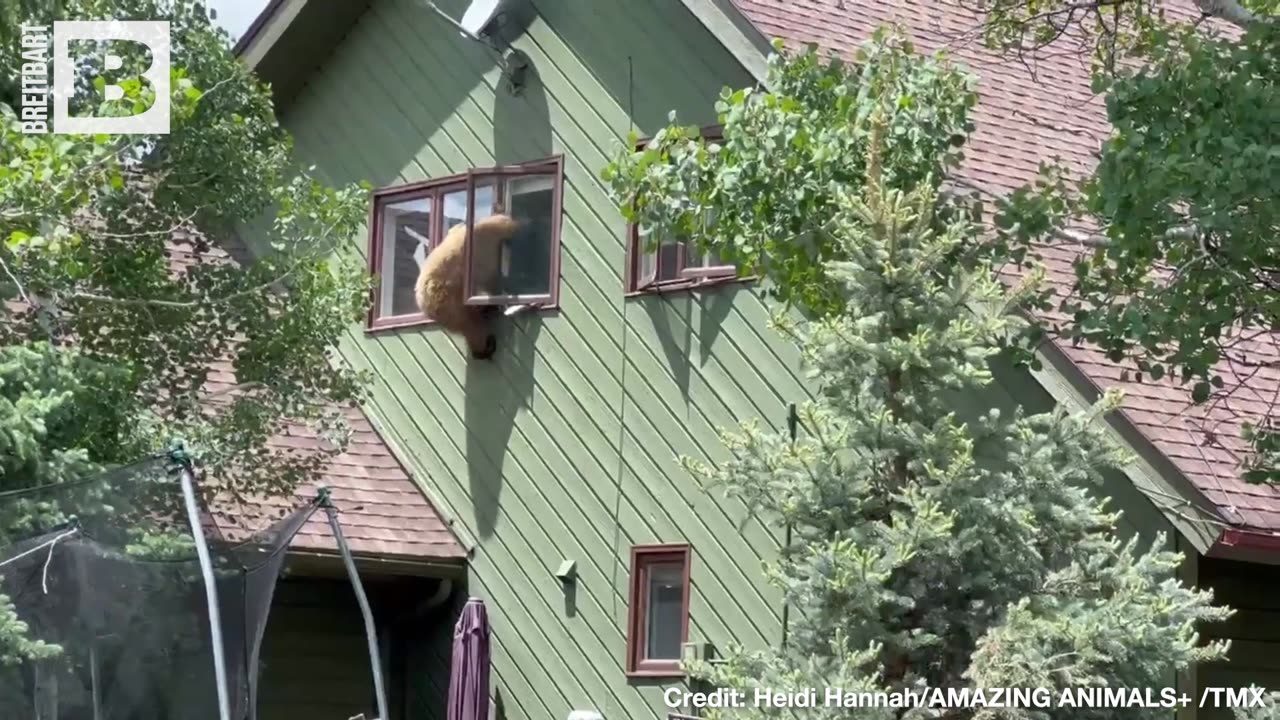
(370, 629)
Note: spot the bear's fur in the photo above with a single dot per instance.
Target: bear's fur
(441, 282)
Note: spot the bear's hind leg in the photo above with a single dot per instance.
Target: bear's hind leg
(490, 347)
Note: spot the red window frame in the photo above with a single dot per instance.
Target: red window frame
(642, 558)
(686, 276)
(499, 176)
(436, 189)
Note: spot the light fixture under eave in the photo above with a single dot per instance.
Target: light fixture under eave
(487, 22)
(477, 20)
(479, 14)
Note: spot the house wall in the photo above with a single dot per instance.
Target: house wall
(565, 445)
(1254, 629)
(315, 656)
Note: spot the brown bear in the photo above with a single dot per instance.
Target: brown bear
(441, 282)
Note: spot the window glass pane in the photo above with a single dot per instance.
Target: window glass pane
(484, 257)
(710, 258)
(670, 257)
(406, 239)
(665, 603)
(455, 205)
(662, 263)
(526, 260)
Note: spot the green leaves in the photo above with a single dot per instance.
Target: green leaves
(116, 248)
(1184, 198)
(1200, 392)
(788, 152)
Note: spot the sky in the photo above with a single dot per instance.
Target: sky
(236, 15)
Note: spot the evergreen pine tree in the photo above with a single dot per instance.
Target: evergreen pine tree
(938, 539)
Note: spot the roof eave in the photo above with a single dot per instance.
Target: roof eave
(320, 562)
(1172, 493)
(736, 32)
(290, 38)
(266, 30)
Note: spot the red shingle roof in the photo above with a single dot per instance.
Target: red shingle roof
(382, 511)
(1029, 112)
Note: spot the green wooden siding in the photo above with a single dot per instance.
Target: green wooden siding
(1254, 629)
(314, 659)
(565, 446)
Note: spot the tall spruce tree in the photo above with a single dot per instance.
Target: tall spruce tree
(938, 541)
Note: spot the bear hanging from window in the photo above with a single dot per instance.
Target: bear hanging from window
(441, 283)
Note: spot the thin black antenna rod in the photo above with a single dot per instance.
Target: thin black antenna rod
(455, 23)
(793, 423)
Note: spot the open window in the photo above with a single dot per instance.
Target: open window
(409, 221)
(404, 234)
(672, 263)
(525, 268)
(659, 609)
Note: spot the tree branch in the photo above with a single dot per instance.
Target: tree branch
(189, 304)
(1230, 10)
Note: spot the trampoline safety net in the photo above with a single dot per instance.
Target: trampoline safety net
(106, 595)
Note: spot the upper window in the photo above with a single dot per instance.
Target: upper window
(523, 268)
(659, 609)
(672, 262)
(409, 221)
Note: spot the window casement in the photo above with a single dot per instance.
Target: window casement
(524, 269)
(671, 263)
(409, 221)
(658, 623)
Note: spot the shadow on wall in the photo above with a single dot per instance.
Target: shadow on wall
(649, 66)
(521, 119)
(403, 71)
(496, 390)
(674, 323)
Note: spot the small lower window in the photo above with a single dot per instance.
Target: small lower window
(659, 609)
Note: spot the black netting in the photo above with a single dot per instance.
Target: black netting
(112, 582)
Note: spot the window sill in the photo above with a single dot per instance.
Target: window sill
(402, 322)
(397, 323)
(673, 673)
(691, 285)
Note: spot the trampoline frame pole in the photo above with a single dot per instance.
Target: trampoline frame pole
(210, 591)
(370, 629)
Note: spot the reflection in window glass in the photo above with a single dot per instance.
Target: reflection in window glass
(406, 239)
(484, 270)
(455, 205)
(661, 264)
(665, 604)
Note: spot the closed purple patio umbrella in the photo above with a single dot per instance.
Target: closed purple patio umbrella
(469, 676)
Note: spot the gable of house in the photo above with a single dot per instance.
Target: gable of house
(563, 447)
